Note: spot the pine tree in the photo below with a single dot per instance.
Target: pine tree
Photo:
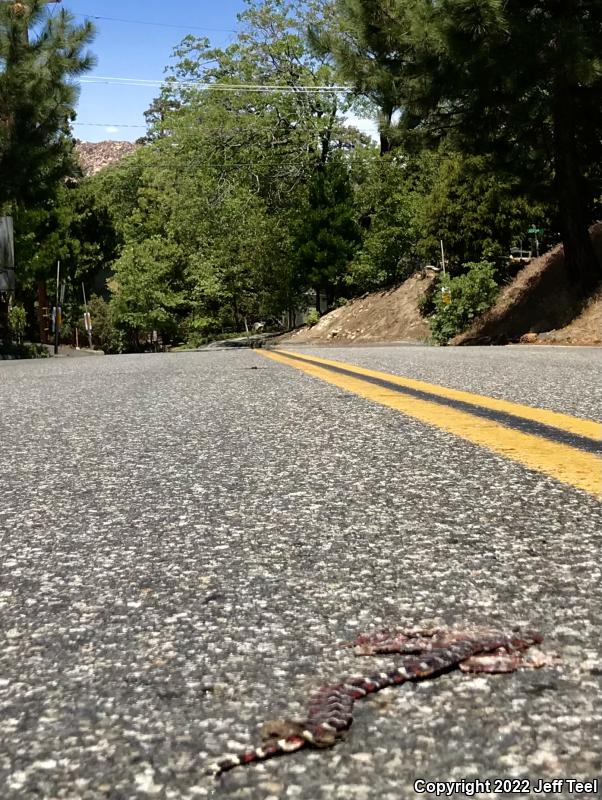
(524, 81)
(40, 54)
(521, 82)
(369, 40)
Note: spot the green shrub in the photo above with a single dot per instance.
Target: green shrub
(105, 332)
(469, 295)
(10, 351)
(312, 317)
(17, 322)
(196, 330)
(66, 331)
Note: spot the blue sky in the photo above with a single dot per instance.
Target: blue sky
(139, 51)
(136, 50)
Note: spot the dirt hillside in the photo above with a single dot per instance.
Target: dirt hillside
(540, 305)
(387, 316)
(94, 156)
(586, 329)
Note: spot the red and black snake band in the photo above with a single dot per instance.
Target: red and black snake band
(428, 654)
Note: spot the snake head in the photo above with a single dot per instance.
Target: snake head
(324, 736)
(275, 729)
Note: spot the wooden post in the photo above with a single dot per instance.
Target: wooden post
(57, 310)
(43, 312)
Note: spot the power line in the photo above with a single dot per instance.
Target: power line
(139, 125)
(155, 24)
(218, 87)
(108, 125)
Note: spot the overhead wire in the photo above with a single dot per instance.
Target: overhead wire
(218, 87)
(155, 24)
(108, 125)
(130, 125)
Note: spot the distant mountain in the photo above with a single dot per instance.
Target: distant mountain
(94, 156)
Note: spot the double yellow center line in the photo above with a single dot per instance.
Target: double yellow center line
(565, 447)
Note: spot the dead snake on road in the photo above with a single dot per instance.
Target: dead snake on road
(430, 653)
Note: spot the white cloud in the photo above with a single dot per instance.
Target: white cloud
(111, 129)
(367, 126)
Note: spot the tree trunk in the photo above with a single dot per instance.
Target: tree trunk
(386, 145)
(385, 117)
(236, 314)
(326, 138)
(580, 257)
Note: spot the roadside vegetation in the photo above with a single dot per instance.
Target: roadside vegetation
(457, 300)
(246, 205)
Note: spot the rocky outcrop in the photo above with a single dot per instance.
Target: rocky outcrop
(94, 156)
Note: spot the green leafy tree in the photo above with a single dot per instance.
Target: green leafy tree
(37, 98)
(147, 285)
(227, 272)
(384, 208)
(75, 227)
(328, 234)
(227, 176)
(473, 206)
(271, 50)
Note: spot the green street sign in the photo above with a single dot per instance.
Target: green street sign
(535, 230)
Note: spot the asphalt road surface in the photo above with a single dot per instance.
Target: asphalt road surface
(185, 539)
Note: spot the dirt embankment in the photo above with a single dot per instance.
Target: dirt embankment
(586, 329)
(540, 306)
(387, 316)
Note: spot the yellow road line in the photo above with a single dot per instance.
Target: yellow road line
(581, 427)
(561, 461)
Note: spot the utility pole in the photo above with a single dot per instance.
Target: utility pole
(57, 309)
(87, 318)
(445, 289)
